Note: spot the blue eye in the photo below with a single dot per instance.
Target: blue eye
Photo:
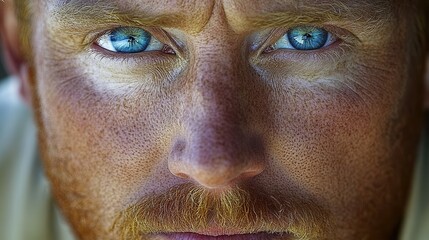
(305, 39)
(129, 40)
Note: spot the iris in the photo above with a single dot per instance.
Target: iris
(129, 39)
(307, 38)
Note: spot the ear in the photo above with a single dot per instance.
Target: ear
(15, 60)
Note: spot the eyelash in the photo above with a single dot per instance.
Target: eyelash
(344, 40)
(130, 59)
(100, 53)
(93, 38)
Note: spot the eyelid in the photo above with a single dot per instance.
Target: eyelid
(106, 43)
(160, 34)
(340, 34)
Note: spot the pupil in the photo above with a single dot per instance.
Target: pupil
(306, 36)
(131, 39)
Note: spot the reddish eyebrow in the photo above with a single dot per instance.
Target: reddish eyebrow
(84, 14)
(81, 14)
(323, 11)
(364, 17)
(95, 14)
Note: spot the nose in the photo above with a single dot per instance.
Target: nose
(215, 157)
(217, 147)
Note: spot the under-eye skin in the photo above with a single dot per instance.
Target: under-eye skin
(127, 40)
(304, 38)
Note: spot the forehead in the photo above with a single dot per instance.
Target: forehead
(191, 5)
(195, 14)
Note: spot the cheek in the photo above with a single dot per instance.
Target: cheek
(332, 137)
(101, 143)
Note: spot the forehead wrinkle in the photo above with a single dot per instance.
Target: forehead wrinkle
(188, 15)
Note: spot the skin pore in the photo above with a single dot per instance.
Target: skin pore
(224, 134)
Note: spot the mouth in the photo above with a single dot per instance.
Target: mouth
(216, 235)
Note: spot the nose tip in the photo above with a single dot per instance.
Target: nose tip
(215, 175)
(216, 166)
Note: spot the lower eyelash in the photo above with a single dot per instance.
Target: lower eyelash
(130, 59)
(330, 53)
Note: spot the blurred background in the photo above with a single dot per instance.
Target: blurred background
(2, 71)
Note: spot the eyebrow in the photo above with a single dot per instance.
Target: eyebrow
(368, 13)
(81, 15)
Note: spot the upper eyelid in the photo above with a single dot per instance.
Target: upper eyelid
(96, 34)
(110, 30)
(337, 32)
(273, 36)
(331, 38)
(104, 41)
(157, 34)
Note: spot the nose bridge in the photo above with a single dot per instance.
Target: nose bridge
(214, 111)
(216, 65)
(217, 105)
(216, 148)
(217, 87)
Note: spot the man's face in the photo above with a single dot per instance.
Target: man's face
(255, 119)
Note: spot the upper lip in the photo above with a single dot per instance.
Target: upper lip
(237, 235)
(219, 231)
(214, 231)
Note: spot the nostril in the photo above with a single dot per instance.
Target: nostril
(251, 173)
(182, 175)
(208, 160)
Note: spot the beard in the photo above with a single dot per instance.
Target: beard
(189, 208)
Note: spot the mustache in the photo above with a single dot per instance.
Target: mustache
(189, 208)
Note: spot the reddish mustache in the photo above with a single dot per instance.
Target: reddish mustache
(188, 208)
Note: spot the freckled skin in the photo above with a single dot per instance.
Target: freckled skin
(344, 133)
